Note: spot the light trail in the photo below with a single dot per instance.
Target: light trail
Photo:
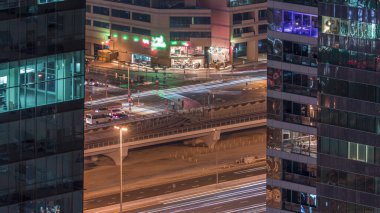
(205, 87)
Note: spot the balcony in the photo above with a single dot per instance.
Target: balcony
(247, 35)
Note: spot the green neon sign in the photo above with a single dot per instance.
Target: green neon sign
(125, 37)
(174, 42)
(136, 39)
(158, 42)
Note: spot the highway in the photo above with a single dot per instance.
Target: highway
(172, 187)
(202, 87)
(246, 198)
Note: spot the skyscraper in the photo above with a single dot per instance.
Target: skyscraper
(292, 106)
(41, 105)
(349, 129)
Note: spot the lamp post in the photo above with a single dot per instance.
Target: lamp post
(121, 130)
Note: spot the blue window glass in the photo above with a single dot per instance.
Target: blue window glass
(41, 81)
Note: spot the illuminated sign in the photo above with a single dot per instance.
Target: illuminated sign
(145, 41)
(158, 42)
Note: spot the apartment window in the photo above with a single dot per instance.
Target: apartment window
(121, 14)
(120, 28)
(237, 3)
(186, 21)
(48, 1)
(88, 8)
(101, 24)
(202, 20)
(88, 22)
(262, 15)
(263, 28)
(179, 22)
(238, 18)
(101, 10)
(144, 3)
(140, 31)
(141, 17)
(185, 36)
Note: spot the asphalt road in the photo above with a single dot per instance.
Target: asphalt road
(246, 198)
(172, 187)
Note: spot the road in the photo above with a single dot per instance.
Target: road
(246, 198)
(172, 187)
(203, 87)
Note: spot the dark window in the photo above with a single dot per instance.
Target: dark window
(263, 28)
(101, 24)
(121, 14)
(179, 21)
(140, 31)
(202, 20)
(88, 8)
(262, 15)
(88, 22)
(185, 36)
(120, 27)
(101, 10)
(141, 17)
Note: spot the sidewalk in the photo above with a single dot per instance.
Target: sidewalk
(204, 190)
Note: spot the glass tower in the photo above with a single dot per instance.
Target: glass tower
(349, 129)
(41, 105)
(292, 106)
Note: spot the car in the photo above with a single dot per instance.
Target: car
(102, 109)
(120, 115)
(115, 111)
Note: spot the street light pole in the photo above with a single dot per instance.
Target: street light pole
(121, 130)
(129, 89)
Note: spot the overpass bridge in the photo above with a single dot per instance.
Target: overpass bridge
(208, 133)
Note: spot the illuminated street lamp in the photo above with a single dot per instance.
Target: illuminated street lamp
(121, 130)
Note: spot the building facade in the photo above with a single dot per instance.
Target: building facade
(177, 33)
(41, 105)
(292, 106)
(349, 98)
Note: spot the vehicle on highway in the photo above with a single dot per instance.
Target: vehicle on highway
(117, 113)
(102, 109)
(97, 118)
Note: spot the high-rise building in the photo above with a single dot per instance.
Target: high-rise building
(177, 33)
(349, 98)
(41, 105)
(292, 106)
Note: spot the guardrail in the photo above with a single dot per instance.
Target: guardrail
(192, 111)
(126, 121)
(180, 130)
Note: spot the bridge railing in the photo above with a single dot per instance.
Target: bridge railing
(213, 124)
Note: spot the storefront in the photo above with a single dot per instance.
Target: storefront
(141, 59)
(219, 55)
(187, 57)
